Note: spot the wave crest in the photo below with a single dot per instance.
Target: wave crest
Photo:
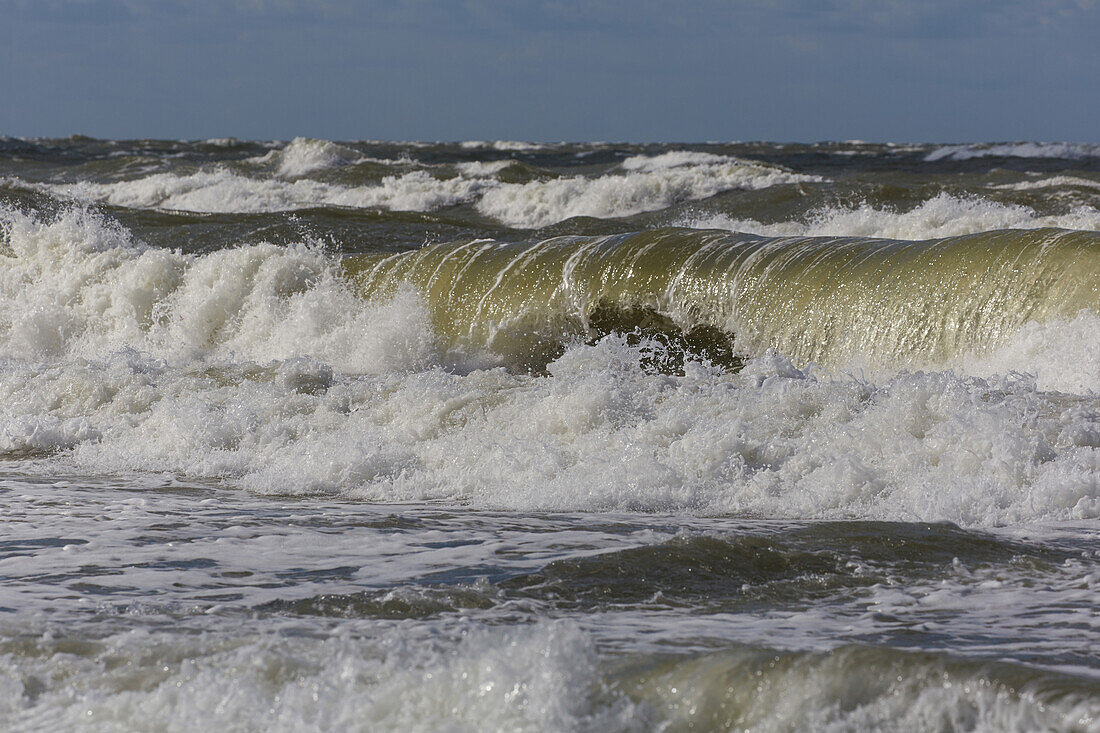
(944, 215)
(829, 301)
(305, 155)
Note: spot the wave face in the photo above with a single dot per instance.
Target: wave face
(829, 301)
(365, 435)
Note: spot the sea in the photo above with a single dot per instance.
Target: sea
(508, 436)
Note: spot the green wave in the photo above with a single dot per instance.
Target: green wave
(814, 299)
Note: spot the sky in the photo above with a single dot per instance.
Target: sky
(618, 70)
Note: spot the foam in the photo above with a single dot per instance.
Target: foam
(599, 434)
(515, 146)
(79, 287)
(222, 191)
(482, 169)
(1063, 355)
(515, 679)
(544, 677)
(1051, 182)
(673, 159)
(1065, 151)
(944, 215)
(259, 366)
(223, 142)
(648, 184)
(651, 184)
(305, 155)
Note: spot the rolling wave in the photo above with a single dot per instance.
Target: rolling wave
(641, 184)
(1064, 151)
(944, 215)
(287, 370)
(306, 155)
(830, 301)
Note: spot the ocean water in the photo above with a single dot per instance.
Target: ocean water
(496, 435)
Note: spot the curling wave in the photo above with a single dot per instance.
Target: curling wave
(829, 301)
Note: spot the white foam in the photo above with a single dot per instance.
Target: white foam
(518, 146)
(1063, 355)
(543, 677)
(1068, 151)
(648, 184)
(222, 142)
(654, 183)
(523, 679)
(673, 159)
(305, 155)
(942, 216)
(598, 434)
(222, 191)
(1051, 182)
(483, 169)
(79, 287)
(259, 366)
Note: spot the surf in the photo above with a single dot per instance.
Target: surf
(829, 301)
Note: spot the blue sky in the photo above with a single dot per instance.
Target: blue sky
(902, 70)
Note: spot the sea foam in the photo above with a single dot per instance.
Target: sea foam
(944, 215)
(598, 434)
(644, 184)
(223, 191)
(79, 287)
(648, 184)
(542, 677)
(305, 155)
(259, 366)
(1066, 151)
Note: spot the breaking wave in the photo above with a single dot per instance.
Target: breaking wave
(261, 365)
(942, 216)
(306, 155)
(648, 185)
(223, 191)
(644, 184)
(1065, 151)
(830, 301)
(547, 676)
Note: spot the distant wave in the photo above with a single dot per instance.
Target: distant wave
(643, 184)
(1067, 151)
(223, 191)
(1051, 182)
(305, 155)
(483, 169)
(504, 145)
(942, 216)
(649, 184)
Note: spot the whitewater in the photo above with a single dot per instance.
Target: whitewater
(502, 435)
